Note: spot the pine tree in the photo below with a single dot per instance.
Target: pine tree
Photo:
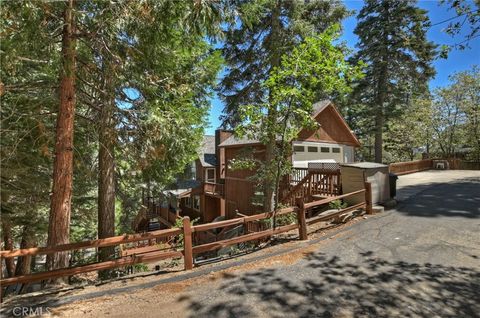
(314, 65)
(254, 43)
(394, 46)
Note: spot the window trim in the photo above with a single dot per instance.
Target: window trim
(193, 202)
(325, 148)
(214, 175)
(188, 201)
(339, 150)
(298, 148)
(312, 149)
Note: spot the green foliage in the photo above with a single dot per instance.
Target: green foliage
(140, 267)
(264, 31)
(337, 204)
(179, 225)
(468, 14)
(455, 115)
(393, 44)
(286, 219)
(151, 61)
(316, 65)
(412, 133)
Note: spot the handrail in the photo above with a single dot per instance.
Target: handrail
(188, 249)
(328, 200)
(291, 194)
(255, 217)
(90, 267)
(244, 238)
(115, 240)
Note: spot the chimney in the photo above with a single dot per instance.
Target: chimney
(220, 136)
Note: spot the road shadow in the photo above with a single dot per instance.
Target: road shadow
(459, 198)
(321, 286)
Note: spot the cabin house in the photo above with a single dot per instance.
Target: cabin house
(217, 191)
(331, 144)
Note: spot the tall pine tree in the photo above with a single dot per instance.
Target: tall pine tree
(264, 31)
(393, 44)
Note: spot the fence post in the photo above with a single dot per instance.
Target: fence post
(187, 243)
(368, 197)
(302, 224)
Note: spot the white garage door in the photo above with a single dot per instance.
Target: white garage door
(304, 152)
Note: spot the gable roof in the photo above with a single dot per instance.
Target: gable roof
(206, 153)
(318, 108)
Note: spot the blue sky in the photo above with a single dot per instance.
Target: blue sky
(458, 60)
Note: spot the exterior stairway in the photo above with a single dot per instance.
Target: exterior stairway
(315, 184)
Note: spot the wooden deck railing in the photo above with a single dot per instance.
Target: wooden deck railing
(315, 182)
(297, 175)
(150, 254)
(213, 188)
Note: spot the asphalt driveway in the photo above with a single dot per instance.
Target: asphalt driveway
(421, 259)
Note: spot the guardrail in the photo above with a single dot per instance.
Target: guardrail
(150, 254)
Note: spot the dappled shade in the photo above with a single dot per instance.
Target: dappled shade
(372, 287)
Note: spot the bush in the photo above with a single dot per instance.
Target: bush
(338, 204)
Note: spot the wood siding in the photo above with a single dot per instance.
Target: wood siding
(239, 190)
(332, 129)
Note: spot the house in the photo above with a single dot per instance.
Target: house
(333, 141)
(219, 191)
(200, 196)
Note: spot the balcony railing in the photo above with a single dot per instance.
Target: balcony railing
(213, 188)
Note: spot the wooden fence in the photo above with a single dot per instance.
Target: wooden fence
(406, 167)
(400, 168)
(458, 164)
(151, 254)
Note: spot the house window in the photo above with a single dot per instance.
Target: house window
(324, 149)
(312, 149)
(298, 148)
(196, 202)
(188, 202)
(336, 150)
(210, 175)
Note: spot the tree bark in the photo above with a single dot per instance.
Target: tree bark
(24, 263)
(61, 199)
(379, 120)
(275, 58)
(106, 180)
(8, 245)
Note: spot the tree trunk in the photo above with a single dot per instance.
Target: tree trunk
(61, 199)
(269, 182)
(380, 113)
(8, 245)
(379, 136)
(24, 263)
(106, 181)
(275, 58)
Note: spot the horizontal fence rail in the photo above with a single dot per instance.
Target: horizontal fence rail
(153, 253)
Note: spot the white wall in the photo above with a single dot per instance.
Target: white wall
(301, 158)
(348, 154)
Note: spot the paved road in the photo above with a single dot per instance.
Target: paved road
(420, 260)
